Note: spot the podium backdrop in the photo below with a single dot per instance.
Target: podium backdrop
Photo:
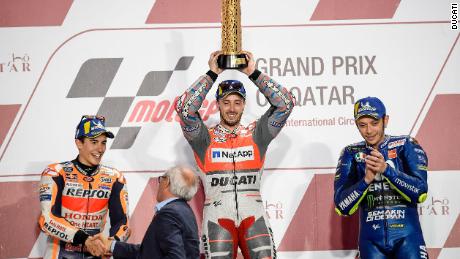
(128, 60)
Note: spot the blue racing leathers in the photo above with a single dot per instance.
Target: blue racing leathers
(389, 223)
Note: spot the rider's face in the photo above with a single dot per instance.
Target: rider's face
(91, 150)
(231, 109)
(372, 130)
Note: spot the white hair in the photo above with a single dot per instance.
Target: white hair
(181, 186)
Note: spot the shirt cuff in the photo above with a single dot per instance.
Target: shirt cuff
(255, 75)
(80, 237)
(112, 246)
(213, 75)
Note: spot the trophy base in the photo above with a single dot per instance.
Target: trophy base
(232, 61)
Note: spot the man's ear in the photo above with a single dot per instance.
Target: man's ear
(385, 120)
(79, 144)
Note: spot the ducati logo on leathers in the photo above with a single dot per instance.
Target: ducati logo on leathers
(224, 181)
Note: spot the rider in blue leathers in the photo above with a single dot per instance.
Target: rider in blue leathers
(385, 176)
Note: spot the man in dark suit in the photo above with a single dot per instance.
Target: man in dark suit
(173, 232)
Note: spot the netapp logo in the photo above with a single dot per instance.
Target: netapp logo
(228, 155)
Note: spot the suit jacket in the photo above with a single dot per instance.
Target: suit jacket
(173, 233)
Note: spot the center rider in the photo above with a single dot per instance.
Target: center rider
(231, 157)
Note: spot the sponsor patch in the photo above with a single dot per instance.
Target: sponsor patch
(74, 185)
(220, 140)
(387, 214)
(420, 151)
(227, 180)
(360, 157)
(104, 187)
(45, 197)
(396, 143)
(71, 248)
(349, 200)
(88, 179)
(277, 124)
(106, 180)
(71, 177)
(74, 192)
(375, 226)
(228, 155)
(190, 128)
(44, 188)
(79, 216)
(396, 225)
(125, 196)
(366, 107)
(56, 230)
(392, 153)
(68, 169)
(407, 186)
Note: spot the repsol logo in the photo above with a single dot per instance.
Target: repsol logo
(53, 231)
(228, 155)
(101, 194)
(224, 181)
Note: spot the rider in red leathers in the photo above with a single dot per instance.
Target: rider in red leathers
(230, 157)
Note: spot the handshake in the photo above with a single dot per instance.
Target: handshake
(99, 245)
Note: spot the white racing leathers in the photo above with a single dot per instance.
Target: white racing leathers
(230, 166)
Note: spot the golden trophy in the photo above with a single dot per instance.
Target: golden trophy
(232, 57)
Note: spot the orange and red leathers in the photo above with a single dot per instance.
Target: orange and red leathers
(75, 203)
